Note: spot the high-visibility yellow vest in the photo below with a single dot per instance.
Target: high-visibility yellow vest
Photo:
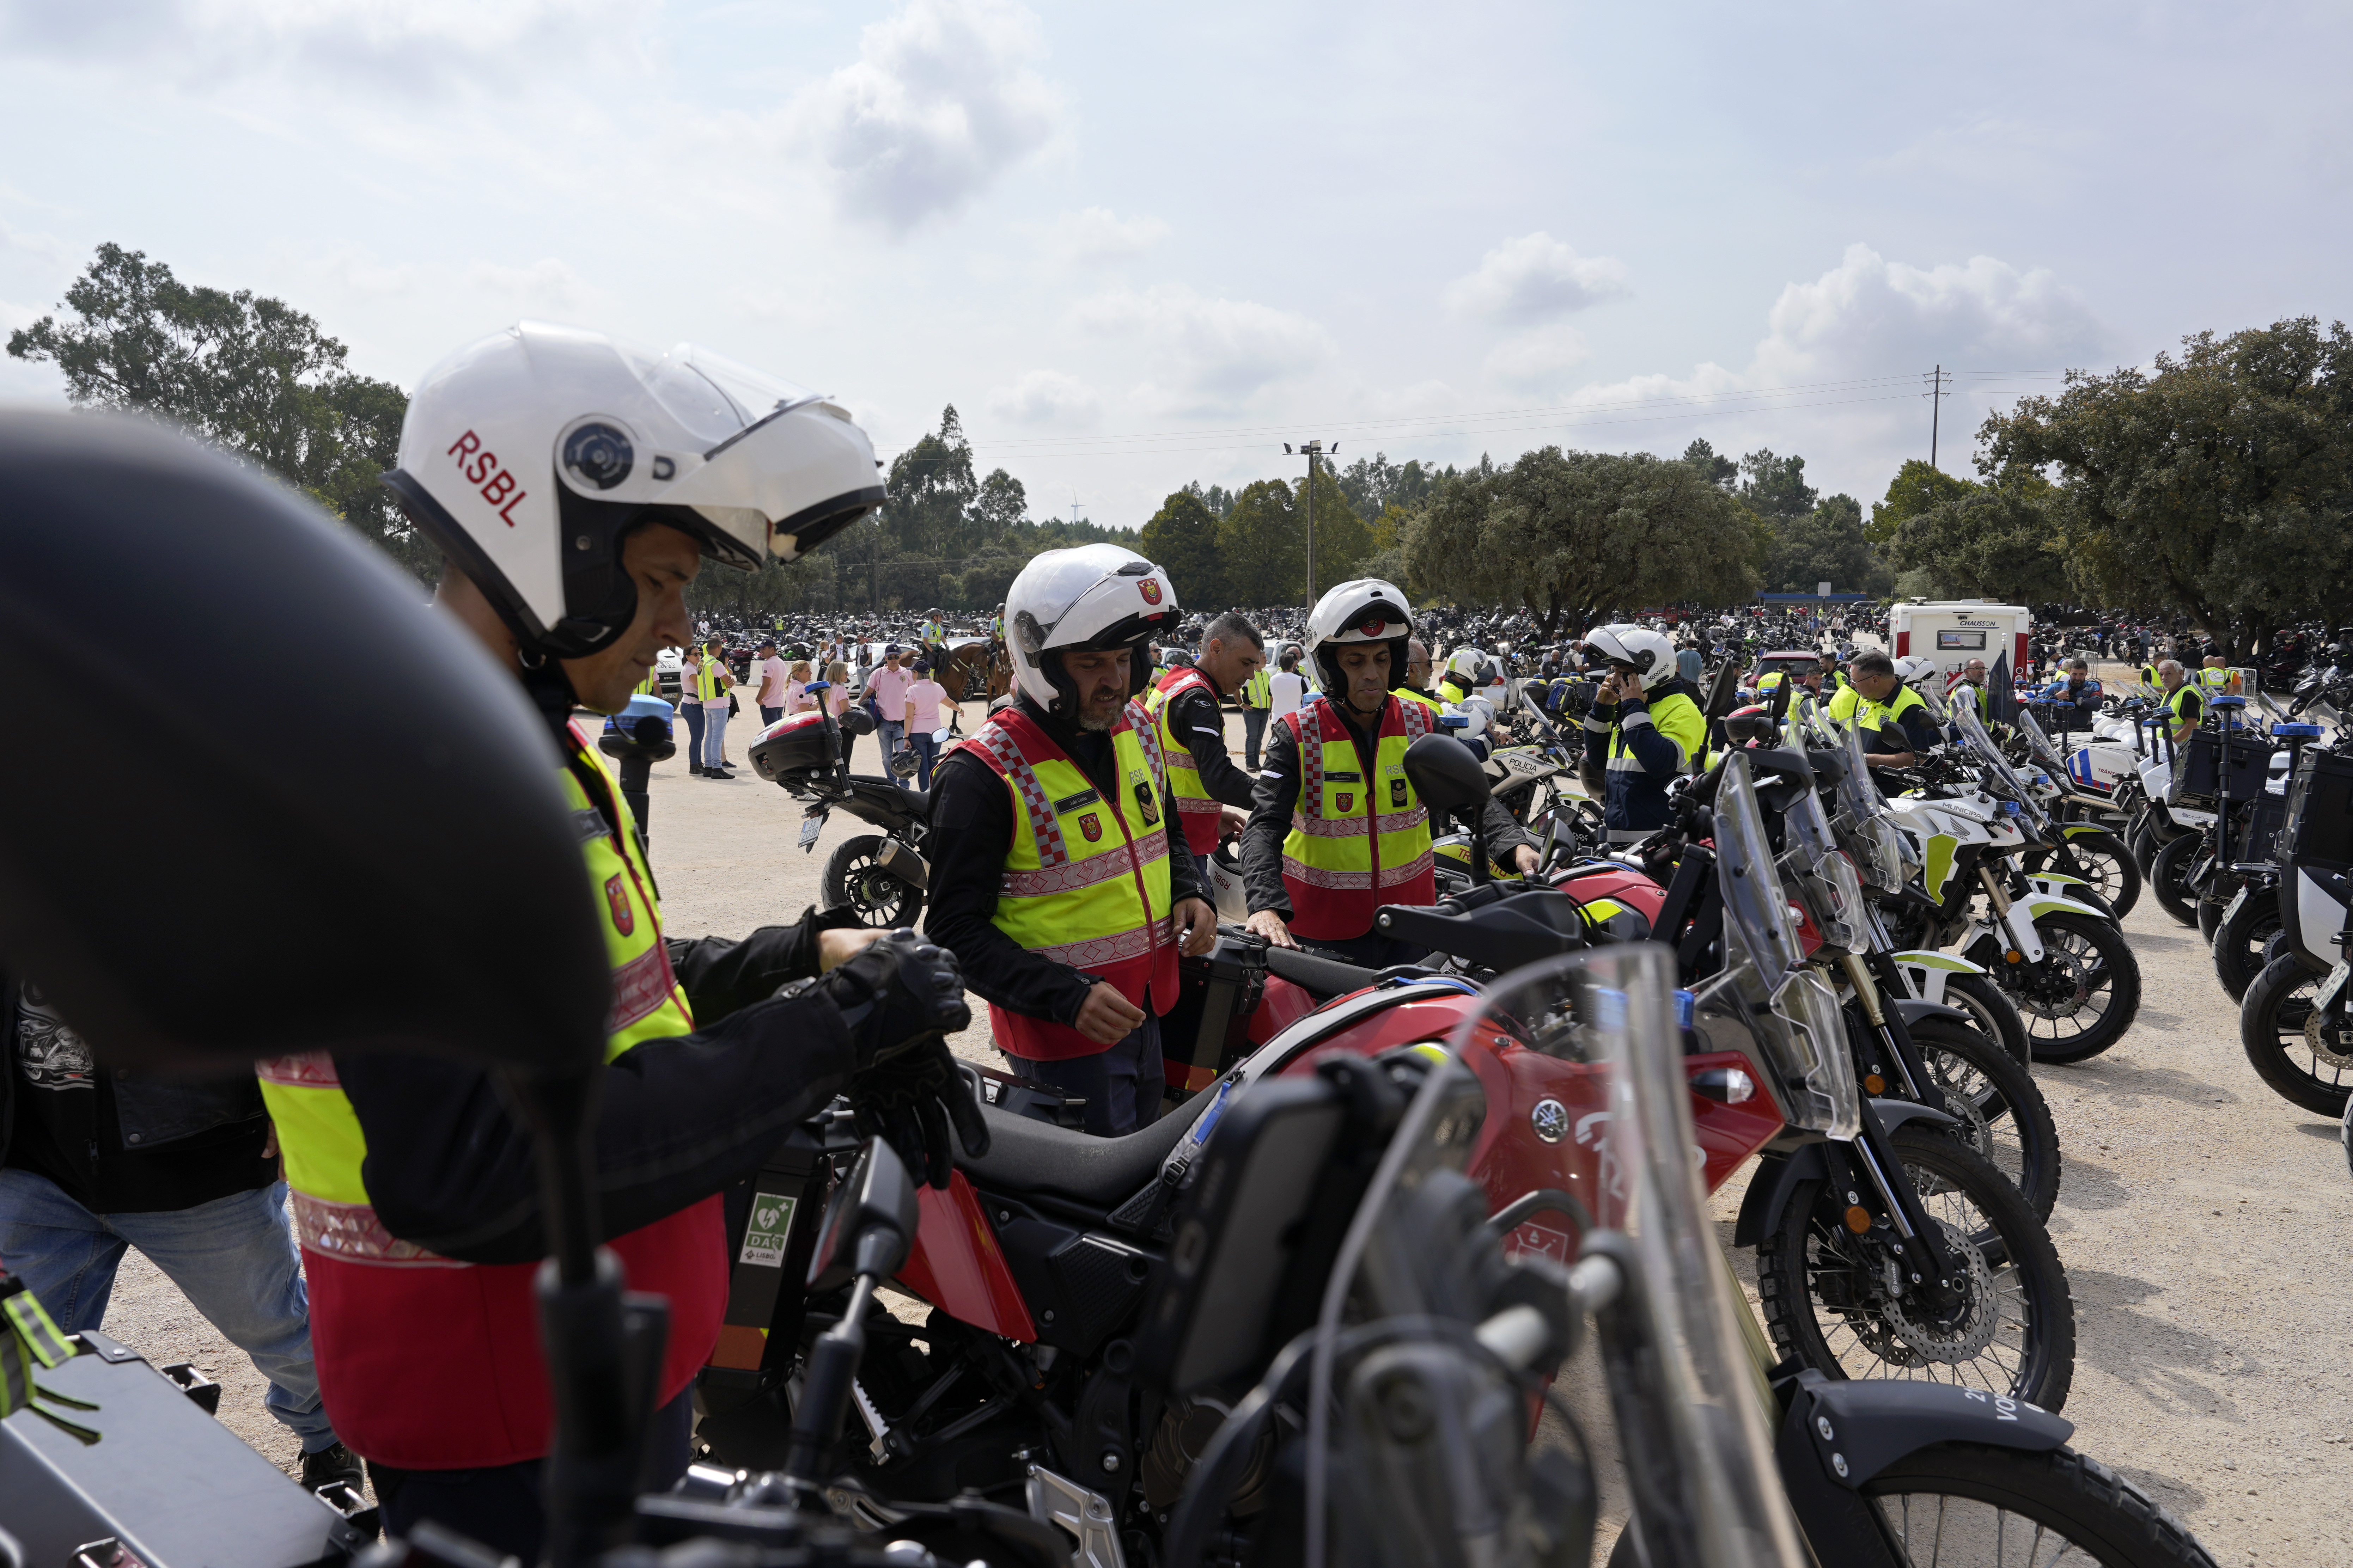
(1851, 708)
(1356, 843)
(1086, 882)
(1410, 695)
(706, 681)
(1258, 691)
(1197, 808)
(458, 1383)
(2186, 704)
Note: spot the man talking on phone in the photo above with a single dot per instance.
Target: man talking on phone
(1644, 730)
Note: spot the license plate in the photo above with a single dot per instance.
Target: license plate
(810, 825)
(2237, 901)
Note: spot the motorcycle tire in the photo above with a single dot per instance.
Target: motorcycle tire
(1823, 1302)
(2087, 955)
(1957, 1494)
(2272, 1029)
(2144, 844)
(2003, 1114)
(2209, 918)
(2242, 943)
(854, 875)
(2103, 862)
(1992, 1013)
(2169, 877)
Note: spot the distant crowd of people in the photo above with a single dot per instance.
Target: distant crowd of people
(900, 694)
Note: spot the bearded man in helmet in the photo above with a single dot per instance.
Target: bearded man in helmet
(1057, 878)
(1337, 830)
(1644, 730)
(574, 488)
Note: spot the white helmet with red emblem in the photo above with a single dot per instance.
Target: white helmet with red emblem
(1097, 598)
(1367, 610)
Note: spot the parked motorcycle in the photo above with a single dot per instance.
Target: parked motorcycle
(2293, 1021)
(882, 876)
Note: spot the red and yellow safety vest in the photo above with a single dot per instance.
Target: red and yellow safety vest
(1197, 808)
(1086, 880)
(1356, 843)
(427, 1362)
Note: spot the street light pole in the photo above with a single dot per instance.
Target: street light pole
(1311, 450)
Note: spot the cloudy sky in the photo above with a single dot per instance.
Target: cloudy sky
(1140, 244)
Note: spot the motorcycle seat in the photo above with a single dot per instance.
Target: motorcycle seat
(1027, 1155)
(1314, 973)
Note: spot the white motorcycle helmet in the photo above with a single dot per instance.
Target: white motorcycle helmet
(1096, 598)
(1916, 671)
(1472, 667)
(1650, 654)
(1367, 610)
(527, 456)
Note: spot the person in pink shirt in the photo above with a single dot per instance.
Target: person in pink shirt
(886, 694)
(773, 681)
(923, 716)
(797, 696)
(836, 702)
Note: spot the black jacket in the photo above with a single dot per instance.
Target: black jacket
(972, 831)
(450, 1167)
(1194, 719)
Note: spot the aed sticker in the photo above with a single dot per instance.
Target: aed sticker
(764, 1237)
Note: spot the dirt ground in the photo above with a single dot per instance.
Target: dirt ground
(2203, 1219)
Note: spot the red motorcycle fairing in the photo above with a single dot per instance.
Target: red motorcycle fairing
(955, 1264)
(1282, 1006)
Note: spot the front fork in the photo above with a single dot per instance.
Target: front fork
(1894, 1038)
(1871, 1166)
(2013, 925)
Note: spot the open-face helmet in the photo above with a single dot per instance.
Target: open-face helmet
(528, 456)
(1650, 653)
(1367, 610)
(1095, 598)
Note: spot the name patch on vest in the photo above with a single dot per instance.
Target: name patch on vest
(1069, 803)
(1344, 778)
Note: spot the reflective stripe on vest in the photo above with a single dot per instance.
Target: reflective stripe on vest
(1356, 843)
(1197, 808)
(1086, 879)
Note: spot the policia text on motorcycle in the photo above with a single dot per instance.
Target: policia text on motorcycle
(414, 1189)
(1337, 830)
(1058, 881)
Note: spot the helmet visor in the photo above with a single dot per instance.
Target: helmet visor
(713, 396)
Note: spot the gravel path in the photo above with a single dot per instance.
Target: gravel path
(2203, 1219)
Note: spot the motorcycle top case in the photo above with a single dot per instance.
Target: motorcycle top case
(167, 1482)
(2199, 774)
(2319, 828)
(796, 751)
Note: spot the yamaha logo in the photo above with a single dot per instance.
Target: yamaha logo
(1549, 1120)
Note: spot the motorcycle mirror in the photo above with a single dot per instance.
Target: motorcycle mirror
(943, 735)
(1445, 775)
(872, 1222)
(429, 900)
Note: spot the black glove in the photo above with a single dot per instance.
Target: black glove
(899, 999)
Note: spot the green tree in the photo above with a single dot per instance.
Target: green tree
(1916, 488)
(1774, 488)
(2218, 485)
(1714, 468)
(997, 512)
(253, 377)
(1182, 539)
(1827, 545)
(1263, 546)
(1995, 541)
(932, 486)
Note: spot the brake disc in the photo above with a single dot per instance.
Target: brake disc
(2329, 1040)
(1972, 1328)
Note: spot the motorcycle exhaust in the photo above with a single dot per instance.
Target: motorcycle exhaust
(904, 864)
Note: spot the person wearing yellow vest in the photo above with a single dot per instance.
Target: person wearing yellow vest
(1875, 700)
(2185, 703)
(1257, 697)
(413, 1185)
(1337, 830)
(1058, 877)
(1643, 732)
(1213, 795)
(1415, 688)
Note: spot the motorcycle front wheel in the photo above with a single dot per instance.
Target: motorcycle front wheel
(1827, 1297)
(2240, 941)
(1969, 1503)
(2169, 877)
(2082, 995)
(2003, 1114)
(2103, 863)
(855, 876)
(1992, 1012)
(2288, 1048)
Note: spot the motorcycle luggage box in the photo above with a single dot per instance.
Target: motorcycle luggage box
(796, 752)
(2200, 772)
(1209, 1026)
(2318, 830)
(167, 1483)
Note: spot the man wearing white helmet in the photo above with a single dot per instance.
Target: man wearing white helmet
(1337, 830)
(1643, 732)
(574, 487)
(1054, 879)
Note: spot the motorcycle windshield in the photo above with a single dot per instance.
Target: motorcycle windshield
(1403, 1330)
(2005, 777)
(2041, 742)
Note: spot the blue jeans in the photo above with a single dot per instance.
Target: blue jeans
(894, 733)
(1123, 1083)
(233, 1259)
(769, 715)
(1253, 735)
(691, 711)
(927, 752)
(714, 727)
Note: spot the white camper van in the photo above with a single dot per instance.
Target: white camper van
(1954, 631)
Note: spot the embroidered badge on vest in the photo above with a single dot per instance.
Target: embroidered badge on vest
(1397, 794)
(625, 918)
(1091, 826)
(1149, 803)
(1347, 801)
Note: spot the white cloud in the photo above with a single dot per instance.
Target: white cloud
(943, 100)
(1047, 397)
(1534, 279)
(1869, 316)
(1539, 357)
(1099, 235)
(415, 46)
(547, 281)
(1206, 355)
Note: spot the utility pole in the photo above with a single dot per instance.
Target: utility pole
(1936, 394)
(1312, 450)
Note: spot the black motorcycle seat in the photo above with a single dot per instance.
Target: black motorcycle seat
(1313, 972)
(1027, 1155)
